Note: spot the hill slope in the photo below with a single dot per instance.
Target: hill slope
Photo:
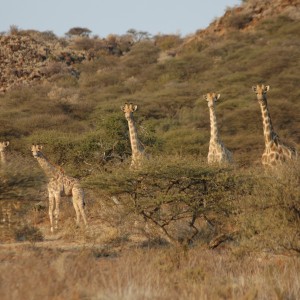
(76, 86)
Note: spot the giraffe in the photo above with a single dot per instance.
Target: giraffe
(59, 184)
(275, 151)
(3, 146)
(6, 206)
(217, 151)
(9, 208)
(138, 152)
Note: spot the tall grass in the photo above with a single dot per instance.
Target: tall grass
(146, 274)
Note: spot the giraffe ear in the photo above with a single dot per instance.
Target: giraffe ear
(134, 107)
(267, 87)
(218, 96)
(254, 88)
(122, 107)
(6, 143)
(205, 97)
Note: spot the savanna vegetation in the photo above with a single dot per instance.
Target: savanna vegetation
(177, 228)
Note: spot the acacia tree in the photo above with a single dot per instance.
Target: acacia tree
(138, 36)
(173, 200)
(78, 31)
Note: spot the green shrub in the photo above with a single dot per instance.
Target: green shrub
(238, 20)
(167, 42)
(141, 55)
(172, 194)
(19, 179)
(28, 233)
(187, 66)
(83, 43)
(270, 216)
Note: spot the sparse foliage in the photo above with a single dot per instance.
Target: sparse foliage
(167, 42)
(173, 198)
(28, 233)
(78, 31)
(14, 30)
(238, 20)
(138, 36)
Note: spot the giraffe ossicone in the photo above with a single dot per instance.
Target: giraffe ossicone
(59, 184)
(275, 152)
(217, 153)
(138, 151)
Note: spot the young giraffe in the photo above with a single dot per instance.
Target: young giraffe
(3, 146)
(137, 148)
(217, 151)
(6, 206)
(275, 152)
(8, 209)
(58, 184)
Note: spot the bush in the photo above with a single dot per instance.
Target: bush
(141, 55)
(19, 179)
(83, 43)
(167, 42)
(14, 30)
(270, 216)
(172, 195)
(238, 20)
(187, 66)
(28, 233)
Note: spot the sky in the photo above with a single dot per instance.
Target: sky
(104, 17)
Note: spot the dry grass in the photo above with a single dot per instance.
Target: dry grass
(31, 272)
(116, 259)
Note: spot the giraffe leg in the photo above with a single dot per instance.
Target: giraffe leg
(81, 205)
(9, 212)
(76, 210)
(78, 202)
(56, 211)
(81, 209)
(51, 207)
(3, 214)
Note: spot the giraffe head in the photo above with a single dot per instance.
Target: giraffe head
(211, 98)
(261, 92)
(3, 145)
(128, 109)
(36, 150)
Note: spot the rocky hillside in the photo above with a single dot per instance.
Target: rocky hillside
(25, 59)
(247, 16)
(252, 12)
(28, 56)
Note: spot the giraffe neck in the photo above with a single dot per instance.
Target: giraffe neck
(50, 170)
(136, 146)
(2, 158)
(269, 133)
(214, 134)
